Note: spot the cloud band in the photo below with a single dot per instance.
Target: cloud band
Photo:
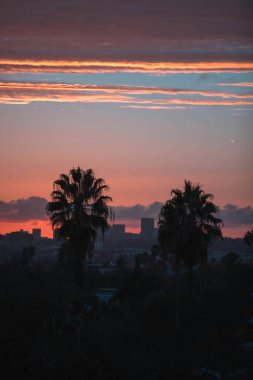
(34, 208)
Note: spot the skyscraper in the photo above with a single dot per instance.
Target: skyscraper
(147, 228)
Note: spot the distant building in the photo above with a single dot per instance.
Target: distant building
(147, 228)
(118, 230)
(36, 235)
(19, 237)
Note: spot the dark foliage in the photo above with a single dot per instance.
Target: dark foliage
(49, 331)
(187, 225)
(79, 209)
(248, 239)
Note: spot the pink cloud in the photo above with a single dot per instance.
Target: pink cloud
(25, 93)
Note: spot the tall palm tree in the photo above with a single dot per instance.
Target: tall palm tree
(79, 209)
(248, 239)
(187, 225)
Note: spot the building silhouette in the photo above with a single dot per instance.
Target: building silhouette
(19, 237)
(147, 228)
(118, 230)
(36, 233)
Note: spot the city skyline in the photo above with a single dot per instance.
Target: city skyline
(31, 213)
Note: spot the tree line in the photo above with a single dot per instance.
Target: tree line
(187, 224)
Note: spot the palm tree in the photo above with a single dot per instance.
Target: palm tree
(248, 239)
(187, 225)
(79, 209)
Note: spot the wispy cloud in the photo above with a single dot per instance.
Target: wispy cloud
(115, 89)
(238, 84)
(240, 109)
(156, 107)
(98, 66)
(25, 93)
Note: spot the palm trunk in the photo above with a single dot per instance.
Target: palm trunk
(176, 303)
(190, 280)
(203, 272)
(78, 267)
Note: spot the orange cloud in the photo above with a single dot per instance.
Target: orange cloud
(239, 84)
(112, 89)
(25, 93)
(15, 65)
(206, 102)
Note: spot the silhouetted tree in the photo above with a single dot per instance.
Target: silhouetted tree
(28, 255)
(137, 265)
(187, 224)
(248, 239)
(66, 256)
(231, 259)
(121, 264)
(79, 208)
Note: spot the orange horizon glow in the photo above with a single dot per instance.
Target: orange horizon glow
(132, 226)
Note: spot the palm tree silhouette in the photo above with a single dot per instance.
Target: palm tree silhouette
(248, 239)
(187, 225)
(79, 209)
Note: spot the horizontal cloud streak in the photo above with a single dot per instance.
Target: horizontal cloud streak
(112, 89)
(239, 84)
(163, 67)
(138, 211)
(235, 216)
(232, 215)
(34, 208)
(25, 93)
(157, 107)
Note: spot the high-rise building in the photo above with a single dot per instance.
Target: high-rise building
(147, 228)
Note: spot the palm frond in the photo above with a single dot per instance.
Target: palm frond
(188, 222)
(79, 207)
(76, 174)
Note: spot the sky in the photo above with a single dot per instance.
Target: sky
(147, 93)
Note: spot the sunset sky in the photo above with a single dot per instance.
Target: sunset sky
(148, 93)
